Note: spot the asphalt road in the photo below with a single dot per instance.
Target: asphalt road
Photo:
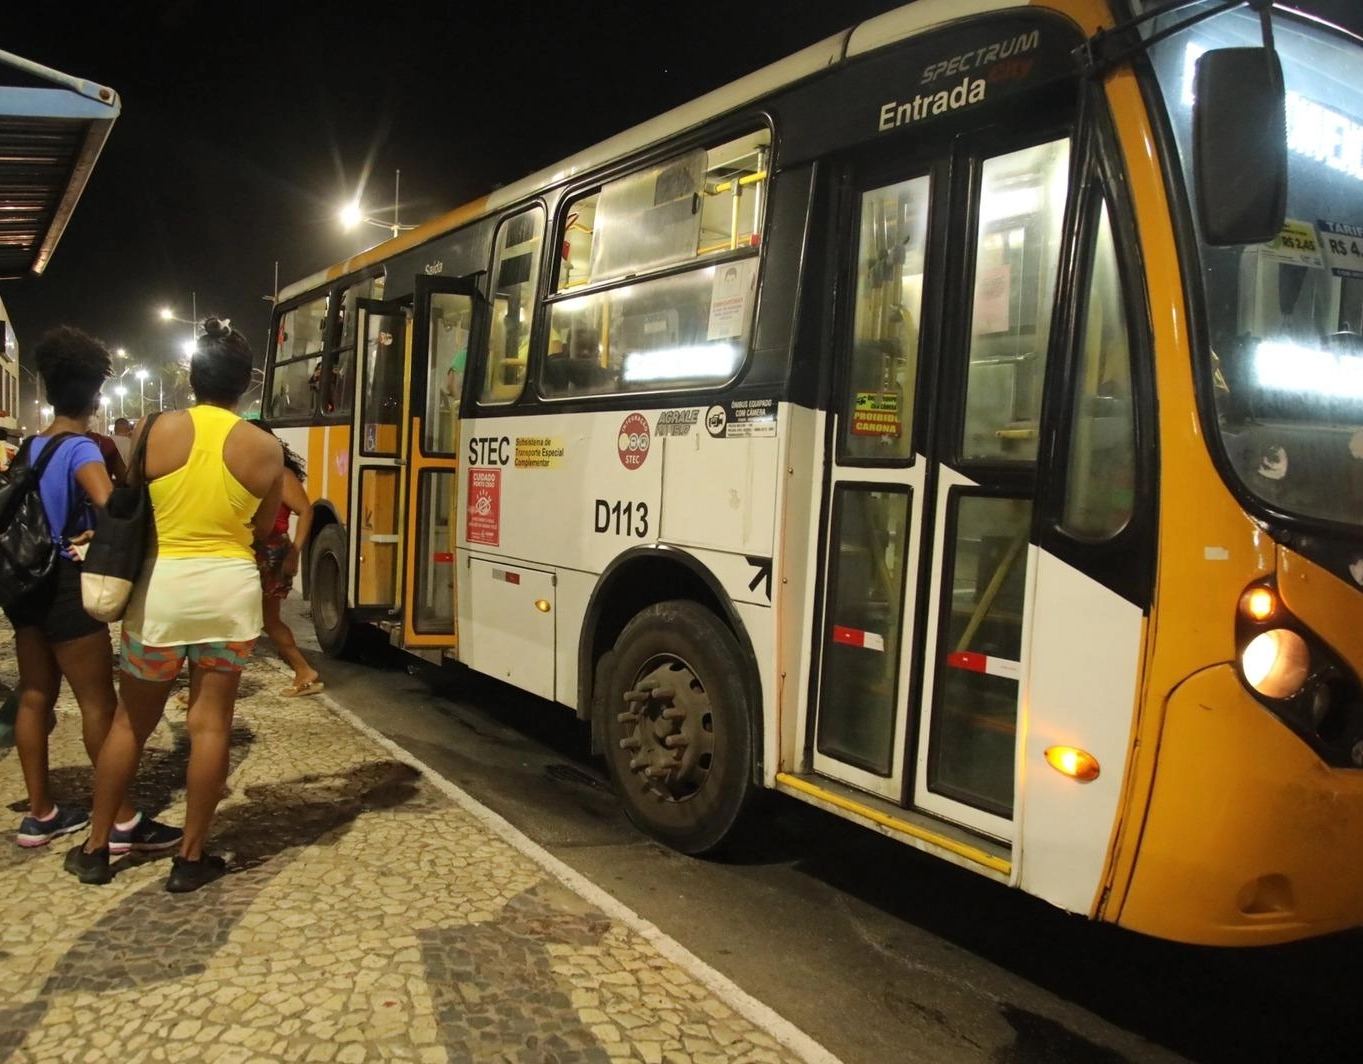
(879, 952)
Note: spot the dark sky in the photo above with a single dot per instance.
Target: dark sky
(246, 125)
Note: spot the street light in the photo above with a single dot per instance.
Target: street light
(122, 393)
(141, 376)
(168, 314)
(352, 214)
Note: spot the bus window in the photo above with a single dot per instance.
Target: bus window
(1102, 472)
(448, 349)
(299, 340)
(685, 330)
(701, 203)
(515, 266)
(878, 420)
(341, 385)
(1021, 207)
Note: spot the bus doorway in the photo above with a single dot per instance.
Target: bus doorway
(941, 358)
(442, 326)
(377, 486)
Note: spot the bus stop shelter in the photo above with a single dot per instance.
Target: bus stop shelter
(52, 128)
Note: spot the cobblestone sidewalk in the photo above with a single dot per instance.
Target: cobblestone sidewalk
(373, 912)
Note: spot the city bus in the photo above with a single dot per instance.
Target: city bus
(956, 425)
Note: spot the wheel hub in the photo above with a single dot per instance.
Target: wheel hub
(669, 729)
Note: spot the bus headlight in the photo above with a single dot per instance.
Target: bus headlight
(1276, 663)
(1298, 678)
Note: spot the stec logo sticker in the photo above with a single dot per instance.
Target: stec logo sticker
(634, 441)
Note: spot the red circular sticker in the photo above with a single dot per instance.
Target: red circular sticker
(634, 441)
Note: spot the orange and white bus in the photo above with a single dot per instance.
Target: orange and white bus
(957, 425)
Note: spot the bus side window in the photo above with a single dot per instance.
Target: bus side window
(515, 268)
(1022, 200)
(299, 340)
(1100, 488)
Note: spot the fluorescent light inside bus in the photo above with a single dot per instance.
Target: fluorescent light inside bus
(701, 361)
(1313, 130)
(1289, 367)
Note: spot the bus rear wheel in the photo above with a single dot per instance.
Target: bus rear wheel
(678, 726)
(327, 580)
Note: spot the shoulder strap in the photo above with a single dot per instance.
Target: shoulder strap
(137, 461)
(50, 450)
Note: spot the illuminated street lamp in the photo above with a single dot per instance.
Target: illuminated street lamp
(352, 214)
(168, 314)
(122, 393)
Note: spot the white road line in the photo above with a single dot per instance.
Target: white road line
(785, 1032)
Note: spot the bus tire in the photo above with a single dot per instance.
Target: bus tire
(678, 728)
(328, 577)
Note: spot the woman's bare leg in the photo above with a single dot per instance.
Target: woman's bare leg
(140, 705)
(281, 635)
(213, 700)
(39, 681)
(87, 664)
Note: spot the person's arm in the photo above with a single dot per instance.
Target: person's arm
(296, 499)
(117, 468)
(263, 521)
(93, 478)
(267, 457)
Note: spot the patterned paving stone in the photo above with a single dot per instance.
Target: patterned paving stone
(367, 916)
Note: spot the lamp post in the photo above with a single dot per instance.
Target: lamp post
(122, 393)
(104, 408)
(168, 314)
(352, 214)
(141, 376)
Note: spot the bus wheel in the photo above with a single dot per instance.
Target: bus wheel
(678, 726)
(327, 584)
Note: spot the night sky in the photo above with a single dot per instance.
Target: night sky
(246, 125)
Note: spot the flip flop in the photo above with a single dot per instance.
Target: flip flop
(294, 691)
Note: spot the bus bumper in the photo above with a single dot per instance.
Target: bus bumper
(1250, 839)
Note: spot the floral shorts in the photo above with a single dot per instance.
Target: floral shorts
(163, 664)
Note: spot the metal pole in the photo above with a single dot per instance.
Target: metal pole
(397, 185)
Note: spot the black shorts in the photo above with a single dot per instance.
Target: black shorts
(55, 607)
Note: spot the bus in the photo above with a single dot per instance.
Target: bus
(955, 425)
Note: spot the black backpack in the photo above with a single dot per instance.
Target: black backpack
(27, 553)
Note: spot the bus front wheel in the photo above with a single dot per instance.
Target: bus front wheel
(327, 584)
(678, 726)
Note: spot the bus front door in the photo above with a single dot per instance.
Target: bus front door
(442, 325)
(941, 353)
(377, 486)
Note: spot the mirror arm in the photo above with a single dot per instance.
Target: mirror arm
(1107, 48)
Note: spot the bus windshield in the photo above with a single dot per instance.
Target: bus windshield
(1285, 319)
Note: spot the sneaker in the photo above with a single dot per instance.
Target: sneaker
(35, 832)
(145, 834)
(186, 875)
(88, 867)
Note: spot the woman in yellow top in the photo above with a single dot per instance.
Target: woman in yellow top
(214, 481)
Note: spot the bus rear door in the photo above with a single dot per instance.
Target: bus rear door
(377, 486)
(442, 326)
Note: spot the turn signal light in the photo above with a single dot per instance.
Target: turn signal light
(1259, 603)
(542, 605)
(1072, 762)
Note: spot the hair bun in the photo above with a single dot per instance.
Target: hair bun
(217, 328)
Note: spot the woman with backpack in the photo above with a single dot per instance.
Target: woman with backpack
(54, 637)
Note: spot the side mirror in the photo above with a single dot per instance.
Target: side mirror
(1240, 145)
